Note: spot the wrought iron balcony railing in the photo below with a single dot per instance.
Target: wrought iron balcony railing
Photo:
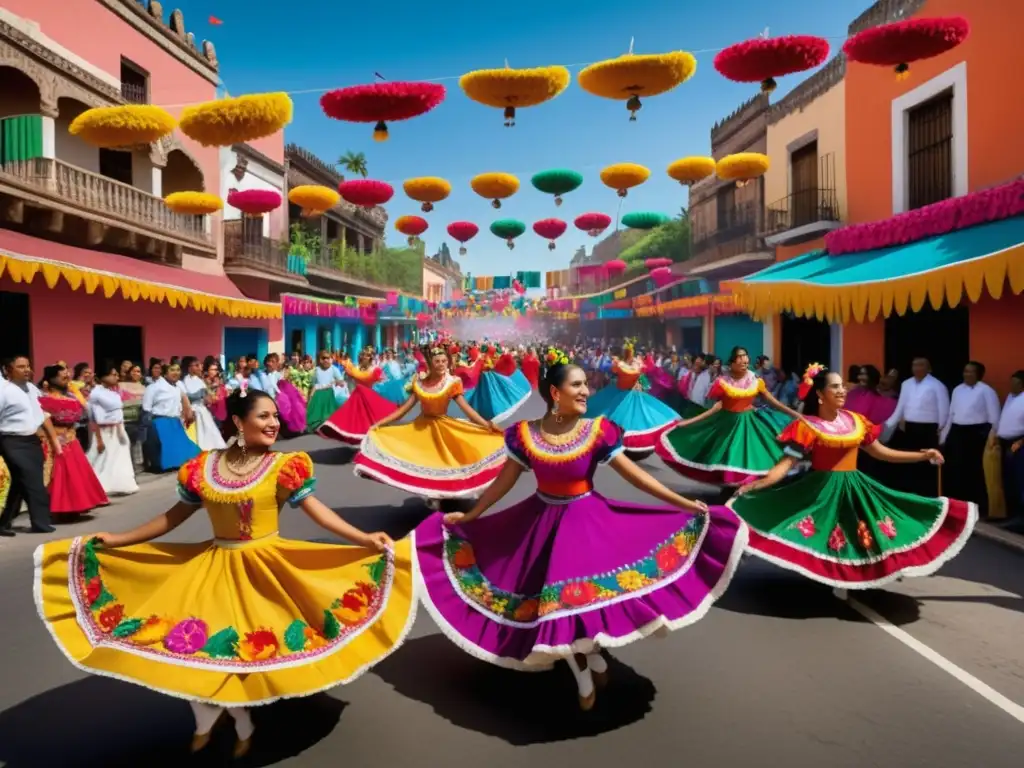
(734, 223)
(800, 208)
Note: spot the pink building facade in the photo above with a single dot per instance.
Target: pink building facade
(72, 214)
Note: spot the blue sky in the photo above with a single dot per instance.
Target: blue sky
(264, 45)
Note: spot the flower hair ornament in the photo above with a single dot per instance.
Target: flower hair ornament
(807, 382)
(438, 351)
(243, 388)
(628, 345)
(556, 357)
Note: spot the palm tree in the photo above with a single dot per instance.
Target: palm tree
(355, 163)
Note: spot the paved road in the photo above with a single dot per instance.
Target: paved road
(779, 674)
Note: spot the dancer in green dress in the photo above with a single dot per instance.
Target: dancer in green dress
(835, 524)
(732, 442)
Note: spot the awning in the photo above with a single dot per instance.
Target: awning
(864, 285)
(22, 261)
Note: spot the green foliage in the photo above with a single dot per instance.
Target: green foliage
(400, 268)
(354, 163)
(670, 241)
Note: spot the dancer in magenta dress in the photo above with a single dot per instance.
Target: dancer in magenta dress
(568, 572)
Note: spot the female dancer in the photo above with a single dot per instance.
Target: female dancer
(120, 607)
(291, 403)
(498, 393)
(321, 398)
(362, 409)
(207, 433)
(836, 525)
(395, 381)
(73, 485)
(567, 572)
(731, 442)
(110, 452)
(531, 367)
(640, 415)
(434, 456)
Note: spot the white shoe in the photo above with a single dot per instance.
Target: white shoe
(584, 683)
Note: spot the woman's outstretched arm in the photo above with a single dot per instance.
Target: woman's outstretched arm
(155, 528)
(775, 474)
(403, 409)
(638, 477)
(323, 516)
(882, 453)
(494, 493)
(475, 417)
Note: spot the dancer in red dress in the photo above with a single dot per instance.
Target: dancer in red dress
(530, 365)
(364, 407)
(74, 487)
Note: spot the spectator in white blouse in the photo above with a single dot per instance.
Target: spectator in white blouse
(701, 383)
(165, 405)
(922, 410)
(22, 422)
(973, 413)
(1010, 434)
(109, 449)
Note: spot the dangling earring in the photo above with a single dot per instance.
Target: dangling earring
(241, 443)
(820, 401)
(555, 413)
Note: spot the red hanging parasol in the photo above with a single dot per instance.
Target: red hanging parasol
(657, 263)
(593, 223)
(254, 202)
(902, 42)
(412, 227)
(764, 59)
(381, 103)
(615, 266)
(550, 229)
(463, 231)
(366, 192)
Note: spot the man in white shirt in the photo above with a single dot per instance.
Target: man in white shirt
(700, 383)
(973, 413)
(22, 422)
(922, 410)
(1009, 431)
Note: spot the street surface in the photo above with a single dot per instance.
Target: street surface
(780, 673)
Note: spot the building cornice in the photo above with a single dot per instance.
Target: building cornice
(251, 153)
(172, 37)
(815, 86)
(884, 12)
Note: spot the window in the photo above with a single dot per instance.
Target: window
(804, 184)
(134, 83)
(930, 151)
(116, 165)
(726, 200)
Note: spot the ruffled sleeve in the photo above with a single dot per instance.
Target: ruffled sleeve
(296, 477)
(514, 448)
(455, 388)
(761, 388)
(797, 440)
(189, 475)
(609, 441)
(717, 391)
(871, 431)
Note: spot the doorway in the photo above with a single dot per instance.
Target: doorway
(804, 341)
(296, 343)
(691, 336)
(113, 343)
(941, 335)
(17, 336)
(240, 342)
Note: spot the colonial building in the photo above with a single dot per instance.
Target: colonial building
(93, 265)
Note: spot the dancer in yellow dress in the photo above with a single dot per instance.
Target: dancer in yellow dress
(244, 619)
(434, 456)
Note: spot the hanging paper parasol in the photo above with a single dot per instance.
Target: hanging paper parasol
(644, 220)
(495, 186)
(690, 170)
(193, 203)
(224, 122)
(518, 287)
(657, 263)
(412, 226)
(624, 176)
(630, 76)
(742, 167)
(903, 42)
(508, 230)
(593, 223)
(463, 232)
(510, 89)
(366, 192)
(615, 266)
(123, 126)
(550, 229)
(427, 190)
(381, 103)
(557, 182)
(661, 275)
(254, 202)
(313, 199)
(765, 58)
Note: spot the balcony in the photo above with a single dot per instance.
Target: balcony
(63, 202)
(134, 93)
(733, 249)
(247, 253)
(803, 215)
(733, 223)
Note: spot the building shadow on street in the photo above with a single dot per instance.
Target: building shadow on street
(760, 589)
(101, 723)
(521, 708)
(339, 455)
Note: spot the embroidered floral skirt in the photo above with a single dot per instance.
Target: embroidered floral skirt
(642, 417)
(270, 619)
(846, 530)
(496, 396)
(353, 419)
(540, 581)
(726, 448)
(437, 457)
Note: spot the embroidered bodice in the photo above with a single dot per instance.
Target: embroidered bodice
(363, 377)
(434, 401)
(65, 413)
(627, 374)
(831, 446)
(565, 470)
(244, 510)
(737, 395)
